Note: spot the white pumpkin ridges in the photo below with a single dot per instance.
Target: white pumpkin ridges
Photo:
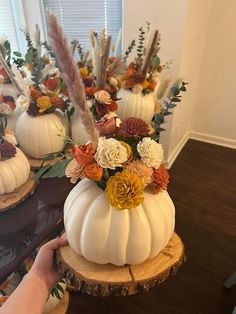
(117, 241)
(38, 136)
(95, 230)
(138, 247)
(14, 172)
(103, 234)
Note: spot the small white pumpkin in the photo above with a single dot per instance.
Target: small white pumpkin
(38, 136)
(135, 105)
(53, 301)
(14, 172)
(103, 234)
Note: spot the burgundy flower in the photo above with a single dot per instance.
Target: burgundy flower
(7, 150)
(33, 110)
(101, 109)
(134, 127)
(88, 81)
(138, 77)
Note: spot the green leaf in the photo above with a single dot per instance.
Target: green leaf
(155, 62)
(57, 294)
(172, 106)
(183, 89)
(175, 99)
(41, 172)
(175, 90)
(28, 57)
(53, 171)
(17, 54)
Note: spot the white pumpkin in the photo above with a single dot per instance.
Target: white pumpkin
(135, 105)
(38, 136)
(103, 234)
(13, 172)
(53, 301)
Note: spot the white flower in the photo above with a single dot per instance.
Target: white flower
(6, 108)
(22, 101)
(11, 139)
(137, 88)
(151, 153)
(110, 153)
(103, 97)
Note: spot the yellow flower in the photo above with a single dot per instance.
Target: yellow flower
(44, 103)
(145, 84)
(84, 71)
(124, 190)
(129, 151)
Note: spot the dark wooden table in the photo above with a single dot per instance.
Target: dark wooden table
(23, 228)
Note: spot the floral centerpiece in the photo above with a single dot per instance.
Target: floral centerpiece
(122, 187)
(14, 166)
(141, 79)
(44, 100)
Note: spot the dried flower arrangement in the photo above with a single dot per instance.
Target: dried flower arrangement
(126, 162)
(142, 74)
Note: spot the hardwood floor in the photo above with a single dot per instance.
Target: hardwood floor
(203, 188)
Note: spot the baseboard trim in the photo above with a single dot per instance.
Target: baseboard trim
(208, 138)
(171, 159)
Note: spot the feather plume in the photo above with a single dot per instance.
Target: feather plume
(71, 75)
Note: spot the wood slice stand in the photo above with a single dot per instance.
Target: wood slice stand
(110, 280)
(36, 164)
(62, 307)
(10, 200)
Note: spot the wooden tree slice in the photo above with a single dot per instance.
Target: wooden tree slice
(62, 307)
(110, 280)
(10, 200)
(36, 164)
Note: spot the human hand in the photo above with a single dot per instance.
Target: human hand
(44, 266)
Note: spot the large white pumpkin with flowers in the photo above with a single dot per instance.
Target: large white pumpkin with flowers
(115, 217)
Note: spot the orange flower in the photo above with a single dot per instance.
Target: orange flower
(130, 70)
(58, 102)
(113, 106)
(84, 154)
(35, 93)
(93, 172)
(51, 84)
(152, 86)
(90, 91)
(160, 179)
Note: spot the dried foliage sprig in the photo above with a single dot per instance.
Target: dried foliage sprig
(129, 50)
(71, 75)
(10, 74)
(173, 98)
(150, 53)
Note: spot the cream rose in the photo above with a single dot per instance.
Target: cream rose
(11, 139)
(151, 153)
(110, 153)
(23, 101)
(103, 97)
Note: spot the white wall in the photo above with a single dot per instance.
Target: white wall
(192, 56)
(169, 17)
(214, 116)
